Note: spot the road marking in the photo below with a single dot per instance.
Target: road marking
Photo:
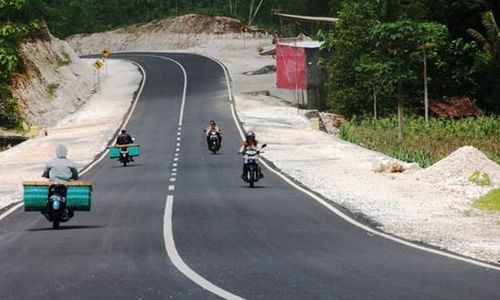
(105, 153)
(178, 139)
(176, 154)
(173, 174)
(11, 210)
(174, 170)
(175, 165)
(335, 210)
(178, 144)
(180, 264)
(171, 187)
(179, 133)
(177, 149)
(176, 159)
(172, 179)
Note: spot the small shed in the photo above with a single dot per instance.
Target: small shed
(297, 68)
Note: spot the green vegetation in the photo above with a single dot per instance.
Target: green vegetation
(51, 89)
(65, 60)
(425, 142)
(480, 179)
(386, 55)
(389, 58)
(66, 17)
(10, 33)
(490, 201)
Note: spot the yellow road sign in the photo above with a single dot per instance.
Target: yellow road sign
(97, 64)
(106, 52)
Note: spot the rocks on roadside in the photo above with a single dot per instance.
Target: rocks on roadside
(394, 166)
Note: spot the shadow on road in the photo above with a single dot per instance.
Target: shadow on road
(67, 227)
(128, 166)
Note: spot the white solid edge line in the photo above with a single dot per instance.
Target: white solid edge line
(340, 213)
(180, 264)
(11, 210)
(103, 155)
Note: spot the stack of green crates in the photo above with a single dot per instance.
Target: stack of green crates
(78, 197)
(35, 197)
(133, 151)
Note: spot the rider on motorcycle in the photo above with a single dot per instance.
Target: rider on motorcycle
(61, 168)
(125, 139)
(249, 143)
(212, 127)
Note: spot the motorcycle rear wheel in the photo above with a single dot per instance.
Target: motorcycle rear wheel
(56, 218)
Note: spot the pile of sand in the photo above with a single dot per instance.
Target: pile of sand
(189, 24)
(455, 170)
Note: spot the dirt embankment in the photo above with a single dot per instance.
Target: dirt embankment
(54, 81)
(196, 33)
(188, 24)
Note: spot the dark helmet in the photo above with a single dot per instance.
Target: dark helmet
(250, 135)
(212, 122)
(124, 131)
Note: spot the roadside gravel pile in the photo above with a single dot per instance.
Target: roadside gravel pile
(454, 171)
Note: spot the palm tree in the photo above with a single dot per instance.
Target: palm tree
(490, 44)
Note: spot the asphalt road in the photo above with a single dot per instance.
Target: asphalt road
(271, 242)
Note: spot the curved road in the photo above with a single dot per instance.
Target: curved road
(272, 242)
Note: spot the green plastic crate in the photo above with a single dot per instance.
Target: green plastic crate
(79, 198)
(114, 152)
(134, 150)
(35, 197)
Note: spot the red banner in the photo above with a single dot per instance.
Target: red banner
(290, 67)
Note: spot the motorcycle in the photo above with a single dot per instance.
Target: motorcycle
(57, 201)
(56, 210)
(124, 153)
(213, 142)
(124, 156)
(251, 165)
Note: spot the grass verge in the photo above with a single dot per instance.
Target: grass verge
(425, 143)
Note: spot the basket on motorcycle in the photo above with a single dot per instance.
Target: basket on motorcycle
(78, 195)
(133, 151)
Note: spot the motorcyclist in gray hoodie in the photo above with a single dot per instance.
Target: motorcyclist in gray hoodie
(60, 168)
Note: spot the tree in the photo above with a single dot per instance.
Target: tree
(373, 74)
(432, 36)
(490, 45)
(398, 41)
(344, 48)
(10, 34)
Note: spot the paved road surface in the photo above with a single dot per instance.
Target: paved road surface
(271, 242)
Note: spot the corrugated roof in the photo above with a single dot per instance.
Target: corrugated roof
(301, 44)
(308, 18)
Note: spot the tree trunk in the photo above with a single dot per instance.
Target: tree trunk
(400, 106)
(374, 104)
(426, 89)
